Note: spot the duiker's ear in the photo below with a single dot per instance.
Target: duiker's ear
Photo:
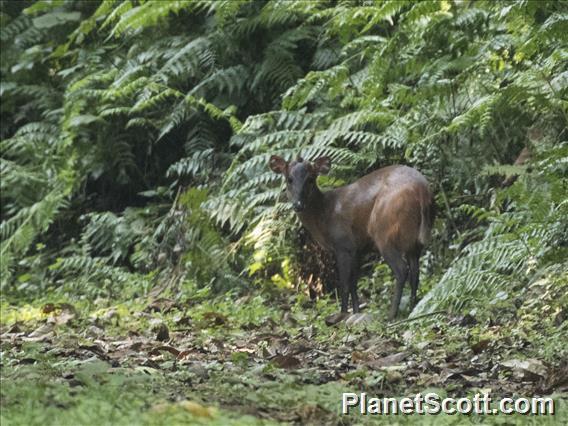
(277, 164)
(322, 165)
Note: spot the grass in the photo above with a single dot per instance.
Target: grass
(254, 359)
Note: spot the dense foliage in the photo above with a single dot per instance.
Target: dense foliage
(135, 135)
(136, 199)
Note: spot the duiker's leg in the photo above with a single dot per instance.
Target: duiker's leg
(400, 270)
(413, 275)
(353, 286)
(344, 261)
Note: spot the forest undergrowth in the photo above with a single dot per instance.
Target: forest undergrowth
(151, 269)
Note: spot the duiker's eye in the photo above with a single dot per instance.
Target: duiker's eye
(289, 180)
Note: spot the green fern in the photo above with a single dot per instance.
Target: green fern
(128, 103)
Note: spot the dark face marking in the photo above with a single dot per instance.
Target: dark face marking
(300, 177)
(300, 183)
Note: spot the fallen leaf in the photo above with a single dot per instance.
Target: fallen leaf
(336, 318)
(166, 348)
(93, 331)
(422, 345)
(67, 375)
(40, 334)
(308, 332)
(286, 361)
(214, 318)
(63, 318)
(246, 350)
(161, 305)
(128, 344)
(199, 370)
(480, 346)
(428, 379)
(276, 346)
(407, 336)
(48, 308)
(357, 356)
(151, 364)
(377, 345)
(312, 414)
(288, 318)
(464, 321)
(184, 354)
(359, 319)
(558, 378)
(450, 375)
(110, 314)
(13, 329)
(393, 376)
(162, 332)
(472, 379)
(389, 360)
(182, 320)
(528, 369)
(96, 348)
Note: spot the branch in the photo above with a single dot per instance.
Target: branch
(394, 324)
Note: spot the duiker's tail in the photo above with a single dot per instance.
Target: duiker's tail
(427, 219)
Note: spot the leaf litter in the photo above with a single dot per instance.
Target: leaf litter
(220, 361)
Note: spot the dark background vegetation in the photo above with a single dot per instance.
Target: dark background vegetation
(134, 145)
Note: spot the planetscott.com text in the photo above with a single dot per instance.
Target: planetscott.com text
(432, 403)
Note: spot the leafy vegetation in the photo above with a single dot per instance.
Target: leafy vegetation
(134, 146)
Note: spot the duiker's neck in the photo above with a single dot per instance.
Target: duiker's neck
(316, 204)
(316, 215)
(318, 207)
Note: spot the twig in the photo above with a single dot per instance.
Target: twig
(448, 208)
(416, 318)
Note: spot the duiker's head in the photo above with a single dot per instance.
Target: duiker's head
(300, 177)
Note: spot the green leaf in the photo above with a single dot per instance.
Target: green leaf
(52, 19)
(83, 120)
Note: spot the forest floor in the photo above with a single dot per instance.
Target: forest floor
(258, 359)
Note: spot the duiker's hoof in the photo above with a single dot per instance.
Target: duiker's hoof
(359, 320)
(336, 318)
